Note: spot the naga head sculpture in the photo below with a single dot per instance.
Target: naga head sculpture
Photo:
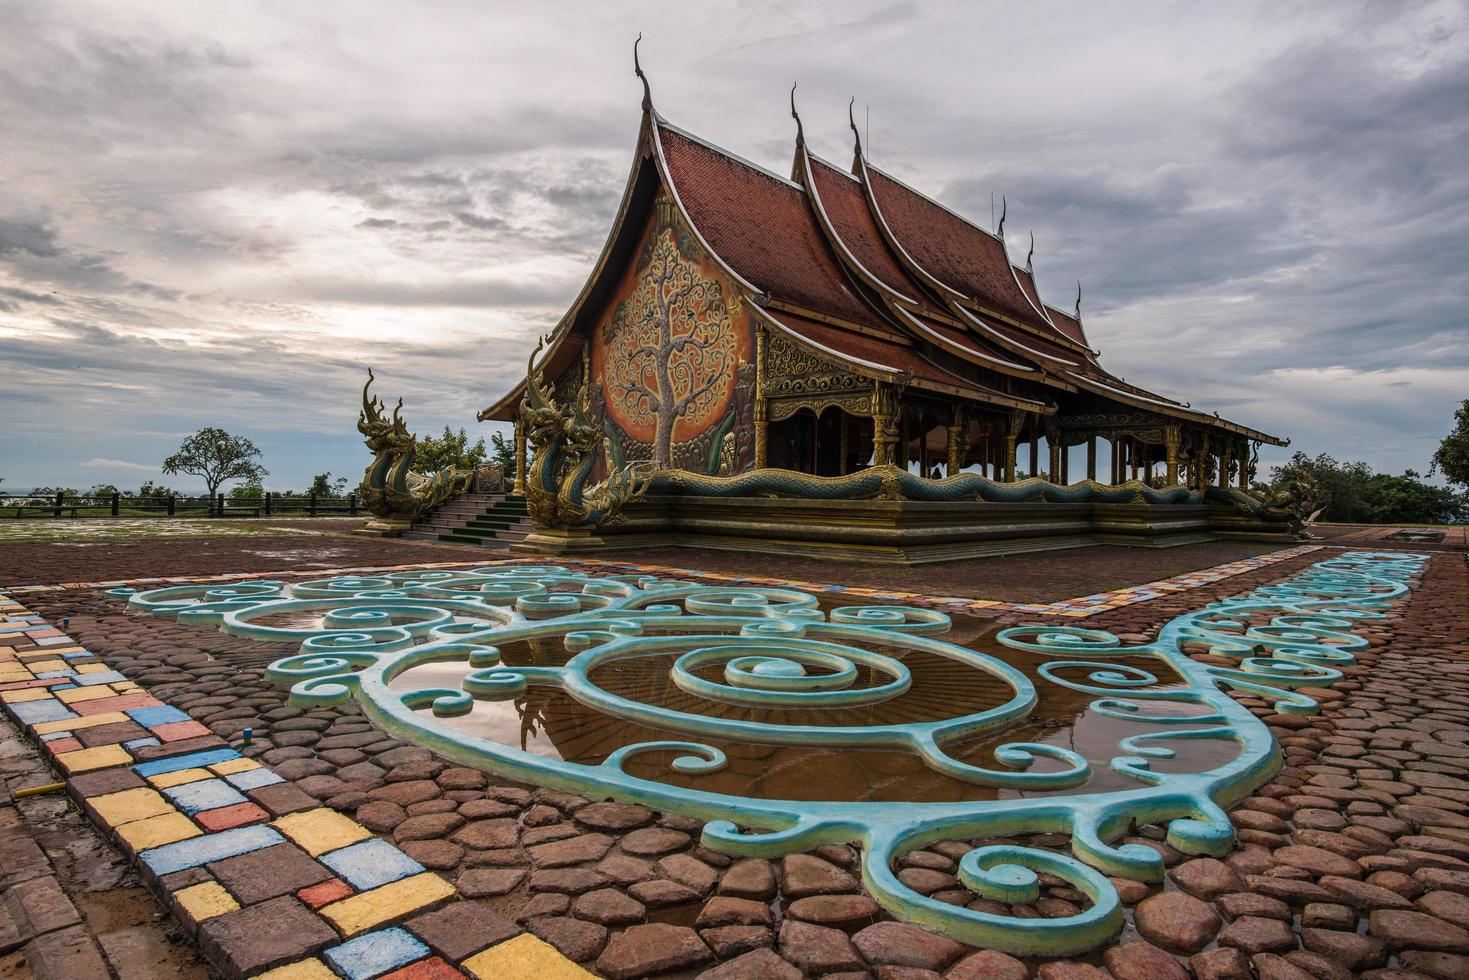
(383, 435)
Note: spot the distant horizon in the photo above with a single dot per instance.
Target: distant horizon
(222, 216)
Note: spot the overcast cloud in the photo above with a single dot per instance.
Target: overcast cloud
(220, 214)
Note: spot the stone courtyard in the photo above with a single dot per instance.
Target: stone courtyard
(208, 827)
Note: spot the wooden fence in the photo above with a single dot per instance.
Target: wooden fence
(27, 506)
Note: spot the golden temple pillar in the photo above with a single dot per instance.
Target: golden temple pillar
(1055, 470)
(884, 432)
(519, 487)
(1034, 452)
(958, 444)
(762, 424)
(1091, 457)
(1226, 462)
(1172, 436)
(1244, 466)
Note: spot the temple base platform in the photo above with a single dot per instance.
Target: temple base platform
(897, 532)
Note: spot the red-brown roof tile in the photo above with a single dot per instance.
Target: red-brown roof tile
(762, 227)
(846, 206)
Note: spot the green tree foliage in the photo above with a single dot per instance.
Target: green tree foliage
(502, 451)
(217, 457)
(1452, 456)
(450, 449)
(151, 489)
(323, 485)
(1353, 494)
(250, 488)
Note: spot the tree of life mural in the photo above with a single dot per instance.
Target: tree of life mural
(671, 349)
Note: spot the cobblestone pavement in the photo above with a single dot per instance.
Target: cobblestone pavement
(1354, 861)
(31, 563)
(70, 907)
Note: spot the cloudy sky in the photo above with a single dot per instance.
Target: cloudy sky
(220, 214)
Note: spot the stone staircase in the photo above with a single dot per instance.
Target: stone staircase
(493, 520)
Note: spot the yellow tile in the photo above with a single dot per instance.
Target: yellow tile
(300, 970)
(523, 956)
(14, 673)
(157, 831)
(58, 651)
(129, 805)
(28, 694)
(369, 909)
(101, 757)
(75, 724)
(92, 668)
(321, 830)
(74, 694)
(122, 687)
(41, 666)
(166, 779)
(205, 901)
(233, 766)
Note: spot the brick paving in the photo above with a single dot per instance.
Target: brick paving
(628, 892)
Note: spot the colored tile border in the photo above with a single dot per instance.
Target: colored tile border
(193, 818)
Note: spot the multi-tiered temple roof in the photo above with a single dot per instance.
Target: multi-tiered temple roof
(862, 270)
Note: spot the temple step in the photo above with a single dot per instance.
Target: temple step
(488, 520)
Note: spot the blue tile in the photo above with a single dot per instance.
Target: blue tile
(197, 851)
(191, 761)
(53, 736)
(375, 953)
(138, 743)
(47, 675)
(161, 715)
(371, 863)
(34, 712)
(101, 677)
(253, 779)
(206, 794)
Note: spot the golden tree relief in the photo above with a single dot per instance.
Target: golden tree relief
(671, 352)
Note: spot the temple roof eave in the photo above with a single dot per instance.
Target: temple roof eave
(892, 374)
(1177, 411)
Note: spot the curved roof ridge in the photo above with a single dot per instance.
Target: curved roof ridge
(834, 236)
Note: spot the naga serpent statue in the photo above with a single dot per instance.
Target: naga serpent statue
(564, 448)
(390, 489)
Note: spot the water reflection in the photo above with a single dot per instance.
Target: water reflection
(547, 722)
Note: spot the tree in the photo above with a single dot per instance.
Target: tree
(671, 349)
(1452, 456)
(217, 457)
(250, 488)
(502, 451)
(322, 485)
(1353, 494)
(151, 489)
(449, 450)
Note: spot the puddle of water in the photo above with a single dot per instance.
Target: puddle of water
(547, 722)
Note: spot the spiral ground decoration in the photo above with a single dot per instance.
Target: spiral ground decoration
(756, 649)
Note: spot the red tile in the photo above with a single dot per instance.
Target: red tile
(226, 817)
(175, 730)
(432, 968)
(57, 745)
(328, 891)
(120, 703)
(43, 682)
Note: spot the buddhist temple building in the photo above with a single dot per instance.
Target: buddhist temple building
(836, 319)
